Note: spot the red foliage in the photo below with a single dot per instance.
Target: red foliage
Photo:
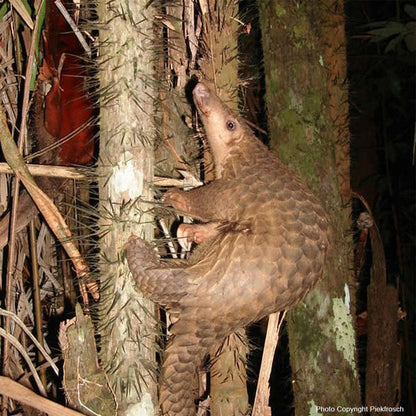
(68, 108)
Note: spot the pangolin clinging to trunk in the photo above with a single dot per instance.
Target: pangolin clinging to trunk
(266, 238)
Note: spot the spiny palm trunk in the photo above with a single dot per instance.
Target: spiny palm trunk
(126, 325)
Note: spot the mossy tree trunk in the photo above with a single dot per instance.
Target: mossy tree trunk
(306, 96)
(127, 90)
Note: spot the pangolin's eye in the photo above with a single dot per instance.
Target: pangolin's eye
(231, 125)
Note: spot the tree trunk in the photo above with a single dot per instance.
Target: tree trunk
(203, 42)
(126, 320)
(383, 366)
(219, 65)
(306, 96)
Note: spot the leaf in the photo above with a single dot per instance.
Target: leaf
(410, 10)
(22, 8)
(393, 44)
(39, 26)
(390, 29)
(374, 25)
(3, 10)
(410, 37)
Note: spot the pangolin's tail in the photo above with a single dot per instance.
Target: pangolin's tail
(184, 356)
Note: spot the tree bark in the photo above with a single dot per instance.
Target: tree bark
(203, 42)
(219, 65)
(85, 384)
(127, 90)
(306, 96)
(383, 365)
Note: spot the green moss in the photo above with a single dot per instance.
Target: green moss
(273, 86)
(298, 154)
(308, 338)
(313, 102)
(279, 10)
(302, 121)
(301, 30)
(291, 121)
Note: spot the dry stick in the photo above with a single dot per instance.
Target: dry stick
(78, 174)
(169, 238)
(161, 181)
(9, 277)
(12, 249)
(26, 396)
(261, 402)
(24, 14)
(47, 207)
(59, 227)
(19, 322)
(36, 295)
(59, 142)
(49, 170)
(73, 26)
(13, 340)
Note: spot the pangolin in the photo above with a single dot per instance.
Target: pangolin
(266, 238)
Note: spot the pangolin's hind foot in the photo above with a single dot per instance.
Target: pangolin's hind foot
(156, 279)
(145, 254)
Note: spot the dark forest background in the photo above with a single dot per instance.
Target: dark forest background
(381, 76)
